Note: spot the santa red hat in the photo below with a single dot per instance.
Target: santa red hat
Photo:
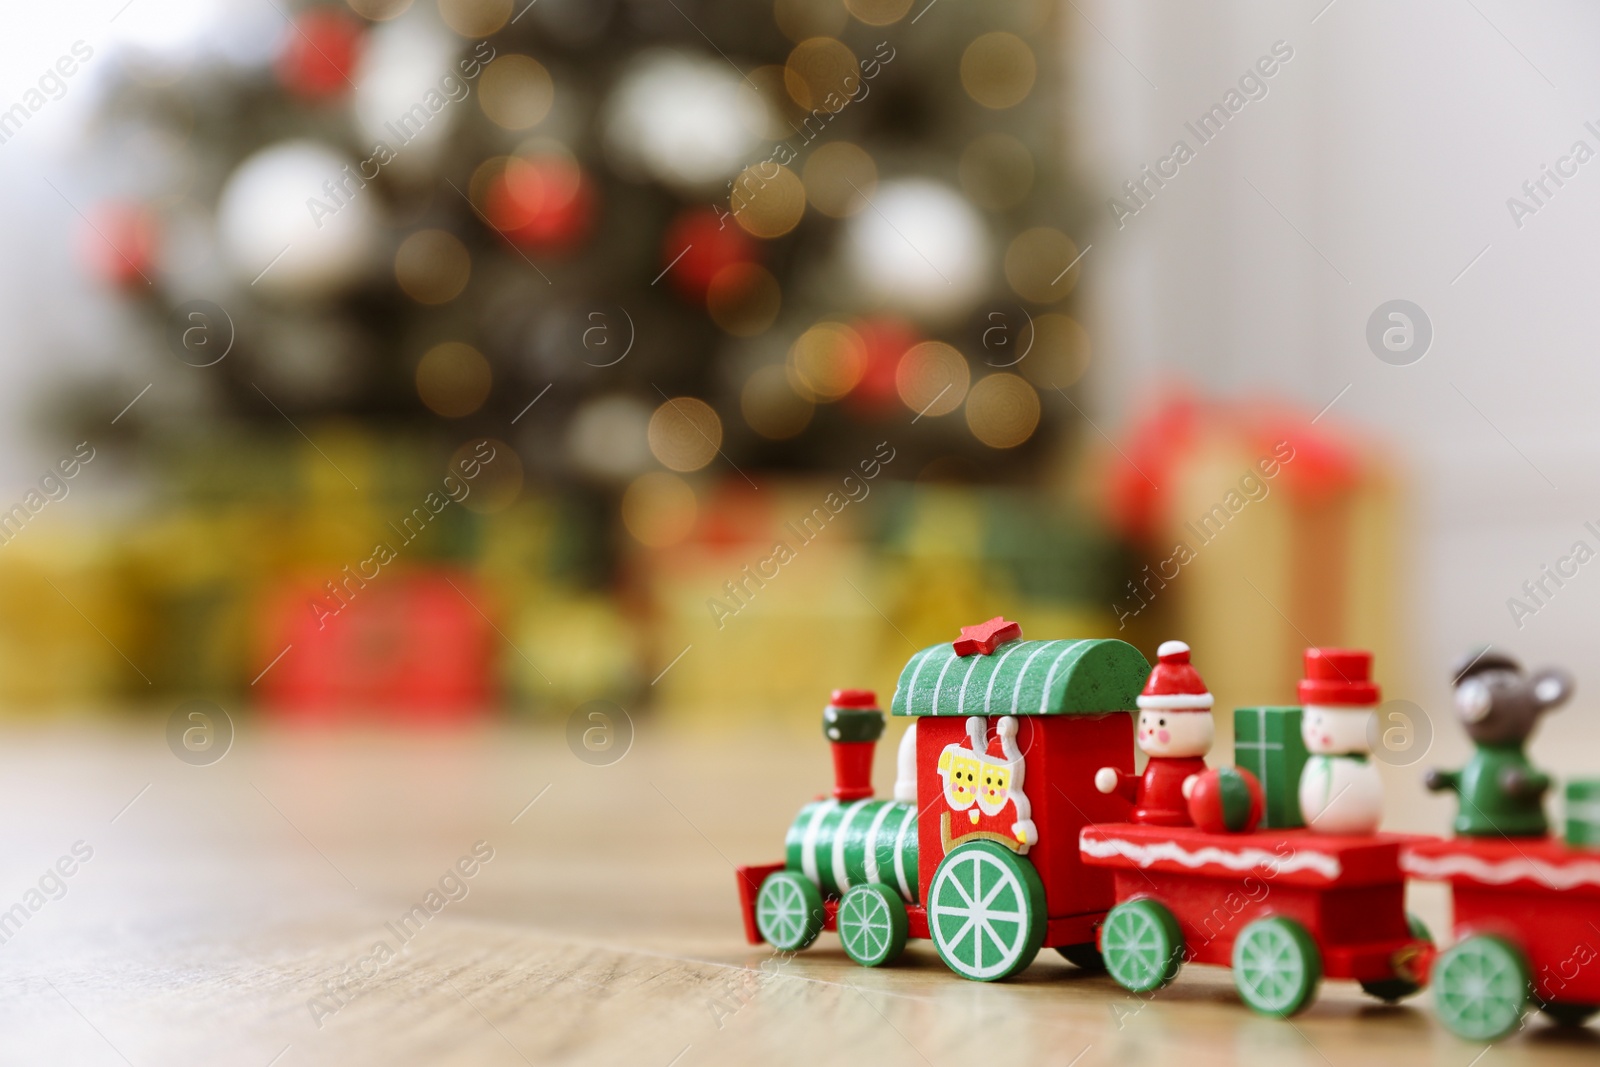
(1174, 684)
(1336, 676)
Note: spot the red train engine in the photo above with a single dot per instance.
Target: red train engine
(978, 850)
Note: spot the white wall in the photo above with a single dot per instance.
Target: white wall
(1391, 140)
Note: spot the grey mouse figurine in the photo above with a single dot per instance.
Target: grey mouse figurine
(1501, 793)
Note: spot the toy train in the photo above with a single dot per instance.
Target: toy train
(1017, 822)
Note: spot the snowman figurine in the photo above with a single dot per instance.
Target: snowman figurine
(1340, 790)
(1175, 731)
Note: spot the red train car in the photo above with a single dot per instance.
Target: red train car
(1527, 925)
(1283, 908)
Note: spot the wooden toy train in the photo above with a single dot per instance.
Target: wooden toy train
(1018, 822)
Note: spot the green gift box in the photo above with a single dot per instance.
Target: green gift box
(1583, 813)
(1267, 743)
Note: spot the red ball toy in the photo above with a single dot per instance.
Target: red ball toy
(1226, 800)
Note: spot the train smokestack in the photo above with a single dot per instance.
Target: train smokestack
(852, 723)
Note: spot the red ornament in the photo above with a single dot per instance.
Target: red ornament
(320, 53)
(885, 341)
(985, 637)
(697, 245)
(547, 205)
(119, 243)
(1226, 800)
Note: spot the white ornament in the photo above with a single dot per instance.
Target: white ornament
(922, 249)
(273, 235)
(690, 122)
(412, 86)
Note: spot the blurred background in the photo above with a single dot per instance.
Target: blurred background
(448, 360)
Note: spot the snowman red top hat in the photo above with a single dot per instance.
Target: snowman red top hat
(1338, 676)
(1174, 684)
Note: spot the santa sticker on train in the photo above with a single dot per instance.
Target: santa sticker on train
(983, 789)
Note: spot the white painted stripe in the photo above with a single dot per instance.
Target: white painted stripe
(1565, 876)
(940, 683)
(911, 687)
(872, 841)
(988, 694)
(900, 853)
(1242, 859)
(1044, 698)
(1016, 694)
(962, 703)
(841, 875)
(808, 842)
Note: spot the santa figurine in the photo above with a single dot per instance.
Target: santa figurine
(1340, 790)
(1176, 732)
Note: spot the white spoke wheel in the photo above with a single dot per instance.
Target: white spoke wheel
(789, 910)
(986, 911)
(872, 924)
(1480, 988)
(1276, 966)
(1142, 945)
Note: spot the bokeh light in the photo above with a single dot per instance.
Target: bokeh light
(475, 18)
(516, 92)
(767, 200)
(658, 509)
(608, 437)
(1002, 410)
(996, 171)
(453, 379)
(744, 299)
(932, 378)
(685, 433)
(839, 178)
(879, 12)
(1037, 265)
(821, 74)
(499, 480)
(827, 361)
(770, 405)
(801, 19)
(1060, 353)
(432, 266)
(998, 69)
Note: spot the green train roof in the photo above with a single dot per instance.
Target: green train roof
(1066, 677)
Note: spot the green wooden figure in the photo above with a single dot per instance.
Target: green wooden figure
(1501, 793)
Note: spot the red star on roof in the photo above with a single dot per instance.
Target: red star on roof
(985, 637)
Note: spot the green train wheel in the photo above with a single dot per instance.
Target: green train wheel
(1276, 966)
(1392, 990)
(872, 924)
(1142, 945)
(1480, 988)
(789, 910)
(986, 911)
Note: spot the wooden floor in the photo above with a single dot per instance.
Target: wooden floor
(230, 914)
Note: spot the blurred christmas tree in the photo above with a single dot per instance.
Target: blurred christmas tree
(618, 234)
